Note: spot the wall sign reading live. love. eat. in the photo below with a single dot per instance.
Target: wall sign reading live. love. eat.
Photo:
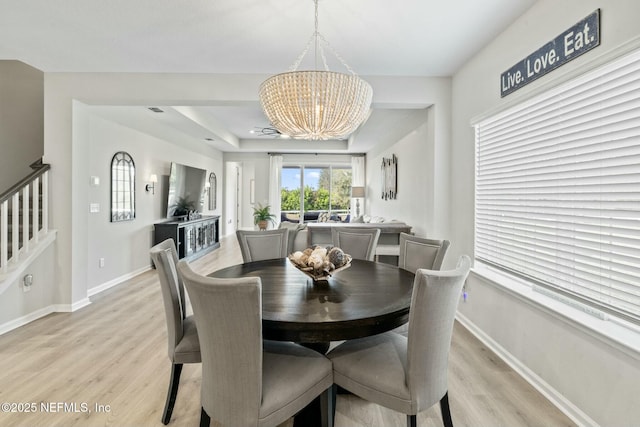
(580, 38)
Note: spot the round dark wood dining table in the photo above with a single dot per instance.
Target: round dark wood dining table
(365, 299)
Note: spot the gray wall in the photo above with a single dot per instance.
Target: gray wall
(572, 359)
(67, 150)
(124, 246)
(21, 120)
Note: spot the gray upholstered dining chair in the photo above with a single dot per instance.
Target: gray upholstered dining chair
(261, 245)
(182, 334)
(408, 374)
(418, 252)
(360, 243)
(247, 381)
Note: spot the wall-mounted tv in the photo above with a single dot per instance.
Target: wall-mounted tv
(186, 183)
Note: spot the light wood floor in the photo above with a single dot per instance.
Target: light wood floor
(113, 353)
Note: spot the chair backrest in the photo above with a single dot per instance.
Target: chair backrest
(165, 258)
(418, 252)
(294, 228)
(360, 243)
(433, 307)
(228, 314)
(261, 245)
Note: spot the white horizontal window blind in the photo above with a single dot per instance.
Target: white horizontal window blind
(558, 188)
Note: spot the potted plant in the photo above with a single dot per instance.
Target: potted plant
(261, 216)
(183, 206)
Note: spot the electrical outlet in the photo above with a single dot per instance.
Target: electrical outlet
(101, 262)
(27, 281)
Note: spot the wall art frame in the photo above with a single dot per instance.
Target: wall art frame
(389, 174)
(123, 187)
(213, 191)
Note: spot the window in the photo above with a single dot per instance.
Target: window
(315, 193)
(558, 189)
(123, 183)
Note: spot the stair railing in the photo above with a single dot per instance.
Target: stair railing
(29, 222)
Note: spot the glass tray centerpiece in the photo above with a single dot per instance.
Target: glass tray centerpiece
(320, 262)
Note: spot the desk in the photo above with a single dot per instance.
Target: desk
(365, 299)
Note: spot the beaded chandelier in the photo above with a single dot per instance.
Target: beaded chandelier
(316, 105)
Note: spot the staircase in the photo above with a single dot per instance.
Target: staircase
(22, 238)
(23, 218)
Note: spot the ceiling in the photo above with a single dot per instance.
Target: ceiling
(406, 38)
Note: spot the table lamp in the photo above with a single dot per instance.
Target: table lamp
(357, 193)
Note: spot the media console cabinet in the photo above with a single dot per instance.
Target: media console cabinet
(193, 238)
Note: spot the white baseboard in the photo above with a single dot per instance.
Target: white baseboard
(21, 321)
(111, 283)
(70, 308)
(35, 315)
(67, 308)
(556, 398)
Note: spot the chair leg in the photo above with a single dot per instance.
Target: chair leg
(334, 395)
(328, 406)
(174, 382)
(205, 419)
(446, 412)
(412, 420)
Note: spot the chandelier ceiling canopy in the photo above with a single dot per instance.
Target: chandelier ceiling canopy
(318, 104)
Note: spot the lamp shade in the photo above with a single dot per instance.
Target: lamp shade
(357, 191)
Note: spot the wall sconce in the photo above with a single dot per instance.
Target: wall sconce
(207, 189)
(153, 178)
(357, 193)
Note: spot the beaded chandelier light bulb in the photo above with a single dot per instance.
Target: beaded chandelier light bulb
(316, 105)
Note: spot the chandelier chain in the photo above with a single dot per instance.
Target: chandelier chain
(316, 105)
(315, 38)
(296, 64)
(316, 33)
(337, 55)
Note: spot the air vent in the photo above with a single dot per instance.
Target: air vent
(156, 110)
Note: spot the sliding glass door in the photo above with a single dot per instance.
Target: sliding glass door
(315, 193)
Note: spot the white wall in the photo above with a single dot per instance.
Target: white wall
(413, 198)
(230, 223)
(69, 156)
(253, 166)
(416, 181)
(423, 180)
(66, 149)
(584, 369)
(423, 170)
(17, 307)
(21, 120)
(124, 246)
(473, 90)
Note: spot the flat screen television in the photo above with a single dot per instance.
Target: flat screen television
(186, 183)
